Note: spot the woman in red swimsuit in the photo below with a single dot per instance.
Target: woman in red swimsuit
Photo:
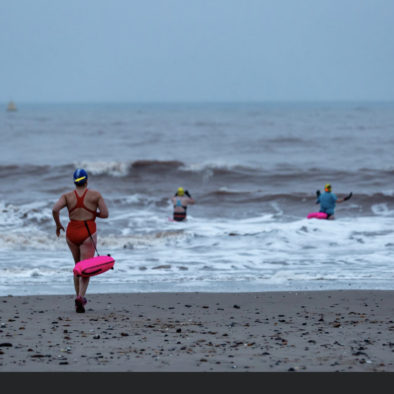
(83, 205)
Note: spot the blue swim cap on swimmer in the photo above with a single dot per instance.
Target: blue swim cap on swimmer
(80, 176)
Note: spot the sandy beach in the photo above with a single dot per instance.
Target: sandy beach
(349, 331)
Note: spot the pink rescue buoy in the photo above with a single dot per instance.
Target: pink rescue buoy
(94, 266)
(317, 215)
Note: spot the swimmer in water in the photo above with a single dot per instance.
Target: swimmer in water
(181, 200)
(328, 201)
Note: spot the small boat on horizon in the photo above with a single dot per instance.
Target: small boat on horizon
(11, 106)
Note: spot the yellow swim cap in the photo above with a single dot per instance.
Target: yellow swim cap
(327, 187)
(180, 191)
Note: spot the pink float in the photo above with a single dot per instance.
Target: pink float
(94, 266)
(317, 215)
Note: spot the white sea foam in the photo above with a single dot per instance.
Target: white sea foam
(381, 209)
(112, 168)
(215, 165)
(16, 216)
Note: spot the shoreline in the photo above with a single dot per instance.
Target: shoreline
(301, 331)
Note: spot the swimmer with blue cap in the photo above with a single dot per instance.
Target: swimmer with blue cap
(80, 176)
(83, 206)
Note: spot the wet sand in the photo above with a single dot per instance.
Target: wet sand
(319, 331)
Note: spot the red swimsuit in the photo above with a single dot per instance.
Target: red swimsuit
(76, 229)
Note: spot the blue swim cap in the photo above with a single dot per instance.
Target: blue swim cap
(80, 176)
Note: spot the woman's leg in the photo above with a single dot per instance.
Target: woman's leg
(77, 257)
(87, 250)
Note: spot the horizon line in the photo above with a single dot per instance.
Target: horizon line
(295, 101)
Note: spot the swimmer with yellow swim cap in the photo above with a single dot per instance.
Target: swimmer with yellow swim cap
(328, 200)
(181, 200)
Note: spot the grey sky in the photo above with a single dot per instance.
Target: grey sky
(196, 50)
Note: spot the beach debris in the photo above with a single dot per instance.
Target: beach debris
(358, 353)
(96, 337)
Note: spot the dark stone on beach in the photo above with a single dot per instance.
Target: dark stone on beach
(188, 306)
(236, 306)
(63, 363)
(6, 344)
(291, 369)
(96, 337)
(359, 354)
(124, 334)
(179, 330)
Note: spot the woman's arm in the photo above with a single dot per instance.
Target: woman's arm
(102, 206)
(60, 204)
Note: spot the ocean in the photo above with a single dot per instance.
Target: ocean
(253, 170)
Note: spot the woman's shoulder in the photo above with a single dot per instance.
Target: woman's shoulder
(69, 194)
(93, 193)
